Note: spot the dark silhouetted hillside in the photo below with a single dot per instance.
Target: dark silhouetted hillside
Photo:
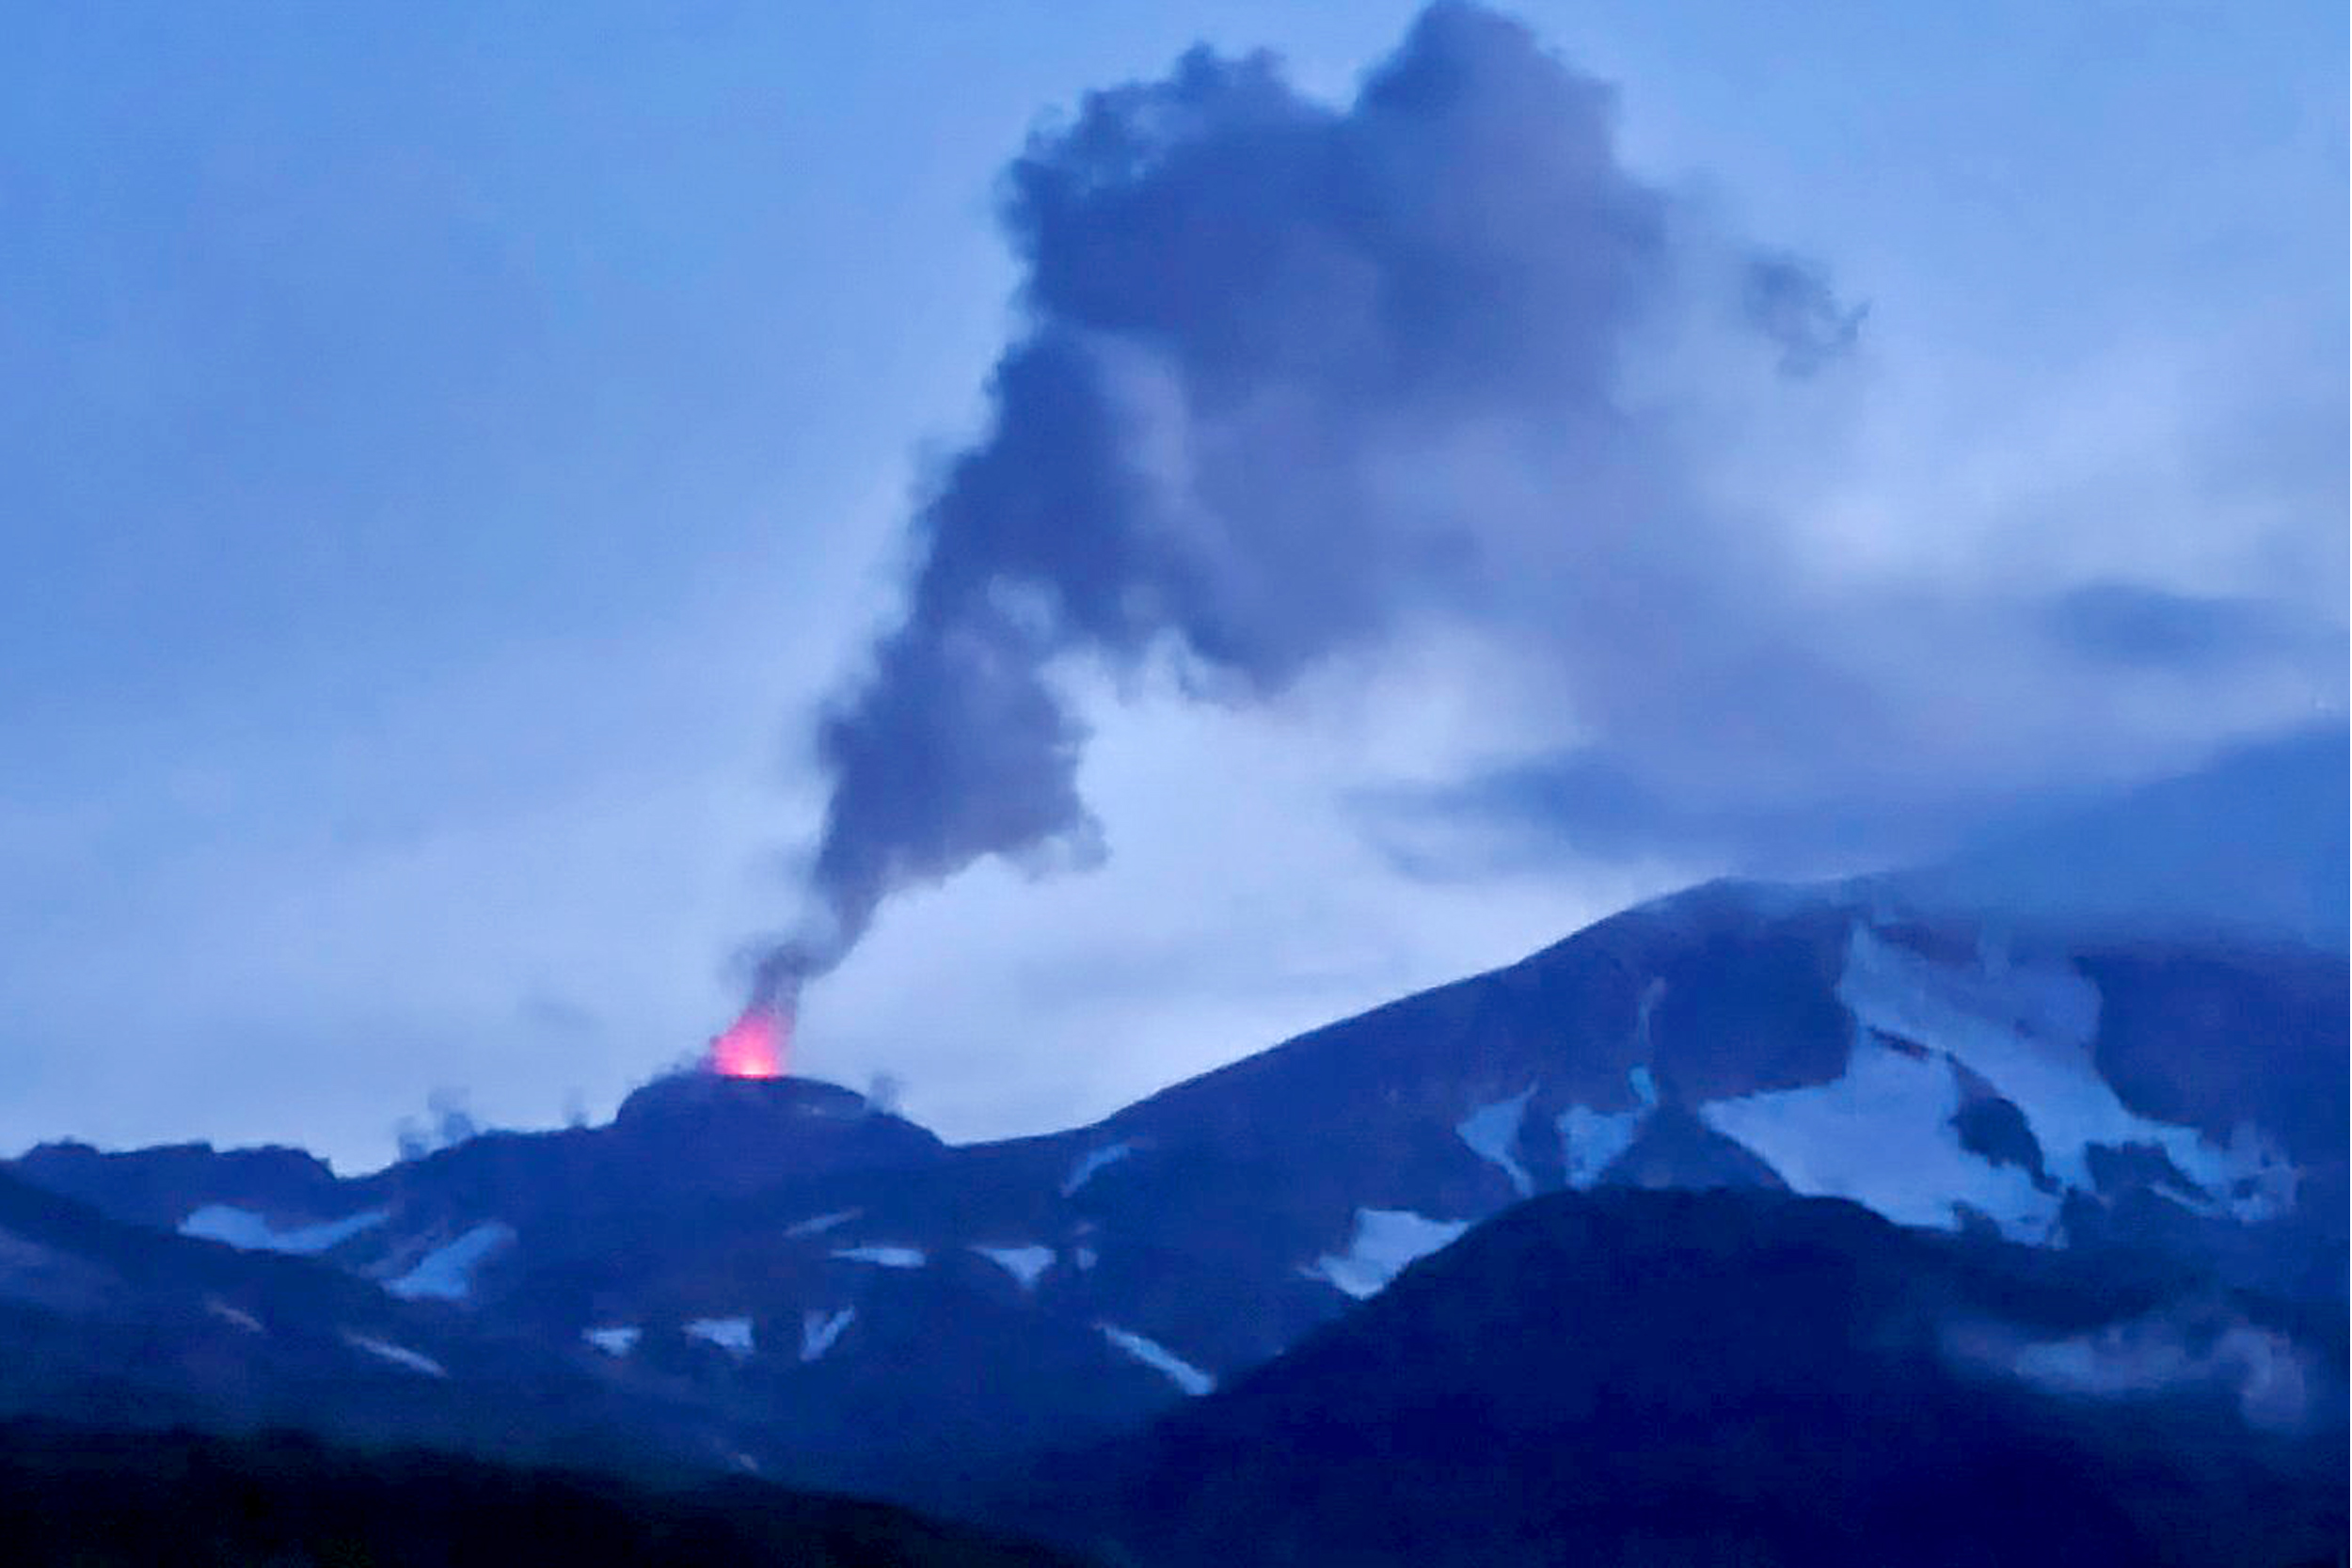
(115, 1501)
(1743, 1377)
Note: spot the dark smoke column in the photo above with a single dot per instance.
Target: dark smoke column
(1239, 308)
(954, 749)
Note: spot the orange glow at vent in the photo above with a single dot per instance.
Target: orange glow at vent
(753, 1046)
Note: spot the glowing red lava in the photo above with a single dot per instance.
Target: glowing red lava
(753, 1045)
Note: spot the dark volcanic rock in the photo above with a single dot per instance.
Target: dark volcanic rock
(1676, 1150)
(741, 1134)
(1997, 1128)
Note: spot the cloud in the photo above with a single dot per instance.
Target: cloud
(2148, 628)
(2253, 845)
(1584, 806)
(2276, 1386)
(1789, 300)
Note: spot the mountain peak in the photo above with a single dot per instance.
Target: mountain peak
(699, 1094)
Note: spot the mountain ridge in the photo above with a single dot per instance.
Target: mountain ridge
(779, 1273)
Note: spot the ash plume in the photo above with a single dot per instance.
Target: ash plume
(1291, 379)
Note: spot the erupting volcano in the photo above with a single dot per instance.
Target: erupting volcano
(755, 1045)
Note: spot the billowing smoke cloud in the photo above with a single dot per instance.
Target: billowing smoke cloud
(1293, 379)
(1303, 388)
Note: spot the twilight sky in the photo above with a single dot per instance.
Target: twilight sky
(450, 461)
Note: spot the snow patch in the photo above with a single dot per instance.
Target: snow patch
(1384, 1242)
(1024, 1263)
(1492, 1132)
(237, 1315)
(820, 1224)
(2028, 1030)
(1883, 1135)
(399, 1356)
(818, 1330)
(1590, 1141)
(1178, 1371)
(617, 1340)
(732, 1335)
(446, 1273)
(248, 1231)
(1083, 1169)
(885, 1257)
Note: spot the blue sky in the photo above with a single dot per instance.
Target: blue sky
(446, 457)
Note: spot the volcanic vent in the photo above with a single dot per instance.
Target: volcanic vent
(756, 1045)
